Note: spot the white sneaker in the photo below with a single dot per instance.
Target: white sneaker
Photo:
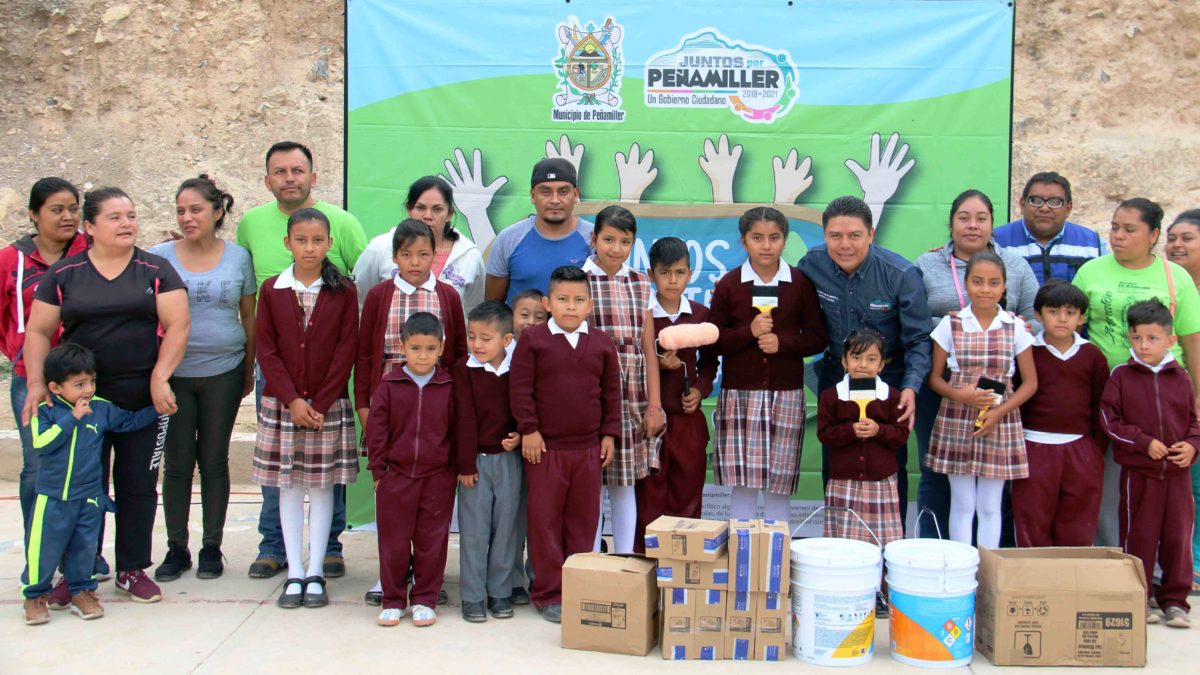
(390, 617)
(423, 616)
(1177, 618)
(1152, 616)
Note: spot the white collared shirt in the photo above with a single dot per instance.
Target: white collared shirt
(473, 362)
(287, 279)
(1039, 340)
(843, 389)
(591, 267)
(406, 288)
(784, 273)
(572, 337)
(943, 335)
(657, 311)
(1168, 358)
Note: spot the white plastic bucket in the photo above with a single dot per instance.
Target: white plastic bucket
(931, 597)
(833, 600)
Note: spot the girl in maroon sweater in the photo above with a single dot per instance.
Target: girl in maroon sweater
(759, 420)
(306, 328)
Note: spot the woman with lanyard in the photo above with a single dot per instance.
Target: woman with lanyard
(131, 309)
(54, 210)
(944, 270)
(1129, 274)
(216, 372)
(457, 261)
(1183, 249)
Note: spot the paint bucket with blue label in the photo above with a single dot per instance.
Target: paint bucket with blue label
(931, 595)
(833, 600)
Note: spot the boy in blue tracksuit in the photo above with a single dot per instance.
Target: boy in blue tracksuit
(65, 521)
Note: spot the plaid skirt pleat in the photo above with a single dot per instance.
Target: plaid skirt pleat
(876, 502)
(286, 456)
(759, 434)
(619, 309)
(953, 448)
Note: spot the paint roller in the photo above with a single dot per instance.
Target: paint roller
(688, 336)
(996, 387)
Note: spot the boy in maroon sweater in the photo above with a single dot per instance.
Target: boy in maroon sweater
(409, 437)
(489, 472)
(678, 487)
(1059, 503)
(565, 385)
(1148, 410)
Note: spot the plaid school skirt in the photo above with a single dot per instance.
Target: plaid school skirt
(955, 451)
(758, 437)
(286, 456)
(876, 502)
(637, 455)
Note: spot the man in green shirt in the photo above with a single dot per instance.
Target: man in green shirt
(290, 177)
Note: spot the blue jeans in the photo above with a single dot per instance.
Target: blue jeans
(271, 545)
(18, 391)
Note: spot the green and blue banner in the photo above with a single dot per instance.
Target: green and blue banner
(689, 112)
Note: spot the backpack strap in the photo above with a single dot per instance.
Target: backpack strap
(1170, 283)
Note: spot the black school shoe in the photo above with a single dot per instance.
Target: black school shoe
(291, 600)
(519, 597)
(373, 598)
(209, 565)
(473, 612)
(551, 613)
(501, 608)
(881, 606)
(318, 599)
(178, 560)
(443, 597)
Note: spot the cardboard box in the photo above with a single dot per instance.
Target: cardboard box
(1061, 607)
(774, 551)
(686, 539)
(693, 574)
(609, 604)
(711, 606)
(740, 613)
(770, 626)
(679, 623)
(744, 567)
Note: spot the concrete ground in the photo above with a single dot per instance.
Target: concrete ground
(232, 624)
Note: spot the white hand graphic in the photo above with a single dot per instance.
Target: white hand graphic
(791, 177)
(574, 155)
(471, 196)
(720, 164)
(881, 178)
(634, 174)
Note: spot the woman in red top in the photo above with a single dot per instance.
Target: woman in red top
(54, 210)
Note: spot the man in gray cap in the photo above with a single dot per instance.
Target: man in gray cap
(526, 252)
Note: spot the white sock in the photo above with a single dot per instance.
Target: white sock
(624, 517)
(776, 506)
(962, 508)
(291, 522)
(743, 503)
(599, 523)
(378, 587)
(989, 494)
(320, 518)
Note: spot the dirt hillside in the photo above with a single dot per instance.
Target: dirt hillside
(144, 94)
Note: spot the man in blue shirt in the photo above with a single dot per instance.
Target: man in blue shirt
(526, 252)
(1055, 247)
(861, 285)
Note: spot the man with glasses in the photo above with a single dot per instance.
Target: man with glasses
(1054, 246)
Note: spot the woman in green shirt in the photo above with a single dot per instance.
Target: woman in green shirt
(1132, 273)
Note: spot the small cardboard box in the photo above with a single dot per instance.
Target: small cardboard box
(744, 567)
(1061, 607)
(770, 626)
(710, 624)
(679, 623)
(686, 539)
(693, 574)
(609, 604)
(740, 613)
(774, 553)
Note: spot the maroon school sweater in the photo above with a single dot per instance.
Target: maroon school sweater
(571, 396)
(854, 458)
(1067, 400)
(1140, 406)
(409, 428)
(484, 414)
(309, 361)
(798, 323)
(700, 364)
